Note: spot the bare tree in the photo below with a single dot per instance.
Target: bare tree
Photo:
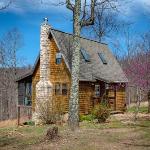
(136, 63)
(106, 20)
(9, 45)
(145, 47)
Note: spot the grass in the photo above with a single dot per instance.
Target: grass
(142, 109)
(92, 136)
(108, 125)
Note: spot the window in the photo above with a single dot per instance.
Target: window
(61, 89)
(85, 55)
(28, 90)
(106, 86)
(57, 89)
(102, 57)
(97, 90)
(58, 58)
(64, 89)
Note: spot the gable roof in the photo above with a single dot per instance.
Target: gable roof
(94, 69)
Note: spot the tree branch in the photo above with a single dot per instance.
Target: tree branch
(69, 5)
(89, 21)
(84, 10)
(5, 6)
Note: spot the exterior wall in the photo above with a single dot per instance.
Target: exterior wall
(117, 98)
(86, 93)
(59, 73)
(120, 99)
(35, 80)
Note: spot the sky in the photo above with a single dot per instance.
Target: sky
(27, 16)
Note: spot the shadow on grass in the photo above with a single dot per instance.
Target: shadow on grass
(139, 145)
(5, 140)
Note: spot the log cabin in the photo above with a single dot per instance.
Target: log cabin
(101, 77)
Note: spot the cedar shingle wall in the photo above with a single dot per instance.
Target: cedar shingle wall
(86, 92)
(120, 99)
(35, 79)
(60, 74)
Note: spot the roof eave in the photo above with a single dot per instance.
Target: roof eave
(24, 76)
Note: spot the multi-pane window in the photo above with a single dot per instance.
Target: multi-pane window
(28, 90)
(61, 89)
(58, 58)
(57, 89)
(64, 89)
(97, 90)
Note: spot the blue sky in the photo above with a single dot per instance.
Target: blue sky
(27, 16)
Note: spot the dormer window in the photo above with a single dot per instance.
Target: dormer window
(58, 58)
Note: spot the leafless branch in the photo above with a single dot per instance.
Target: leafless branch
(90, 20)
(69, 5)
(84, 10)
(6, 5)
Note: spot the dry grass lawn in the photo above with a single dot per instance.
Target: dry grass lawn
(116, 134)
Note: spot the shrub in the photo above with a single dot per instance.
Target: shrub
(86, 117)
(101, 112)
(30, 123)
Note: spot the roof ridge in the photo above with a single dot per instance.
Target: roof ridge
(80, 36)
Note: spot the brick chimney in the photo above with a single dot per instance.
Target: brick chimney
(44, 86)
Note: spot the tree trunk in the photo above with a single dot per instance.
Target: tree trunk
(138, 102)
(149, 101)
(74, 95)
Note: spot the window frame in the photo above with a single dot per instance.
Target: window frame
(61, 89)
(28, 94)
(103, 58)
(85, 54)
(66, 88)
(58, 92)
(58, 58)
(97, 90)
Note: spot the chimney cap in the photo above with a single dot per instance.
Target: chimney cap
(45, 20)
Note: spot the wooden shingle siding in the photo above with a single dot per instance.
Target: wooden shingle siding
(59, 73)
(117, 98)
(35, 79)
(86, 91)
(120, 99)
